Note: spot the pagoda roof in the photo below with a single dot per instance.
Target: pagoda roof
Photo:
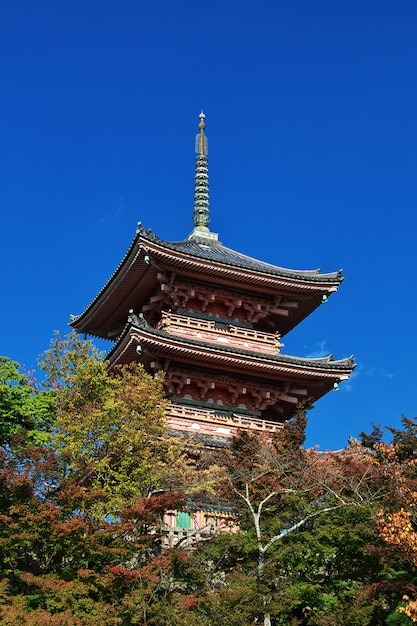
(135, 279)
(214, 251)
(321, 372)
(202, 277)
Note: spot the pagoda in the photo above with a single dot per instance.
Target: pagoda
(212, 319)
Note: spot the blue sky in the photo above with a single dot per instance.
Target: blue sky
(311, 117)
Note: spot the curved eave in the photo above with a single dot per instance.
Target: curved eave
(130, 282)
(239, 277)
(134, 280)
(160, 344)
(213, 260)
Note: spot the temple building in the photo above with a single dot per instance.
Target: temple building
(213, 320)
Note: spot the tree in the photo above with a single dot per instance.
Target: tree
(63, 566)
(397, 519)
(283, 494)
(26, 412)
(81, 514)
(110, 428)
(87, 474)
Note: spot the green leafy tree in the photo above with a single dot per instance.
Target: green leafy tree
(110, 428)
(396, 519)
(26, 412)
(80, 517)
(87, 471)
(306, 519)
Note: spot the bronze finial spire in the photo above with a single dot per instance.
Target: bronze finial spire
(201, 216)
(201, 144)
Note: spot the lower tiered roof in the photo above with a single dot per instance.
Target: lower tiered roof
(139, 340)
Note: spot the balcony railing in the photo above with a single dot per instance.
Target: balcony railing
(209, 421)
(215, 331)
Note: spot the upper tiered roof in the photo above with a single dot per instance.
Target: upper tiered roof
(213, 250)
(137, 277)
(150, 262)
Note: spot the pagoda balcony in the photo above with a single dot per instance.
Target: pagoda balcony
(218, 423)
(186, 538)
(220, 332)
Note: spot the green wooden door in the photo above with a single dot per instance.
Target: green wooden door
(183, 519)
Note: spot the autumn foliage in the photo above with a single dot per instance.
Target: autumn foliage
(87, 471)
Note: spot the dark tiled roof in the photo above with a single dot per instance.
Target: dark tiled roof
(213, 250)
(210, 250)
(327, 362)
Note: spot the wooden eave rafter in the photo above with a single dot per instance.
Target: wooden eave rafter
(134, 280)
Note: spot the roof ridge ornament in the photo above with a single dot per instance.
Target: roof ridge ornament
(201, 141)
(201, 216)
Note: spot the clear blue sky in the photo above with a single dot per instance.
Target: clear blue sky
(311, 111)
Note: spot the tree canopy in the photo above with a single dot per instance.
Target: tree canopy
(25, 410)
(88, 469)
